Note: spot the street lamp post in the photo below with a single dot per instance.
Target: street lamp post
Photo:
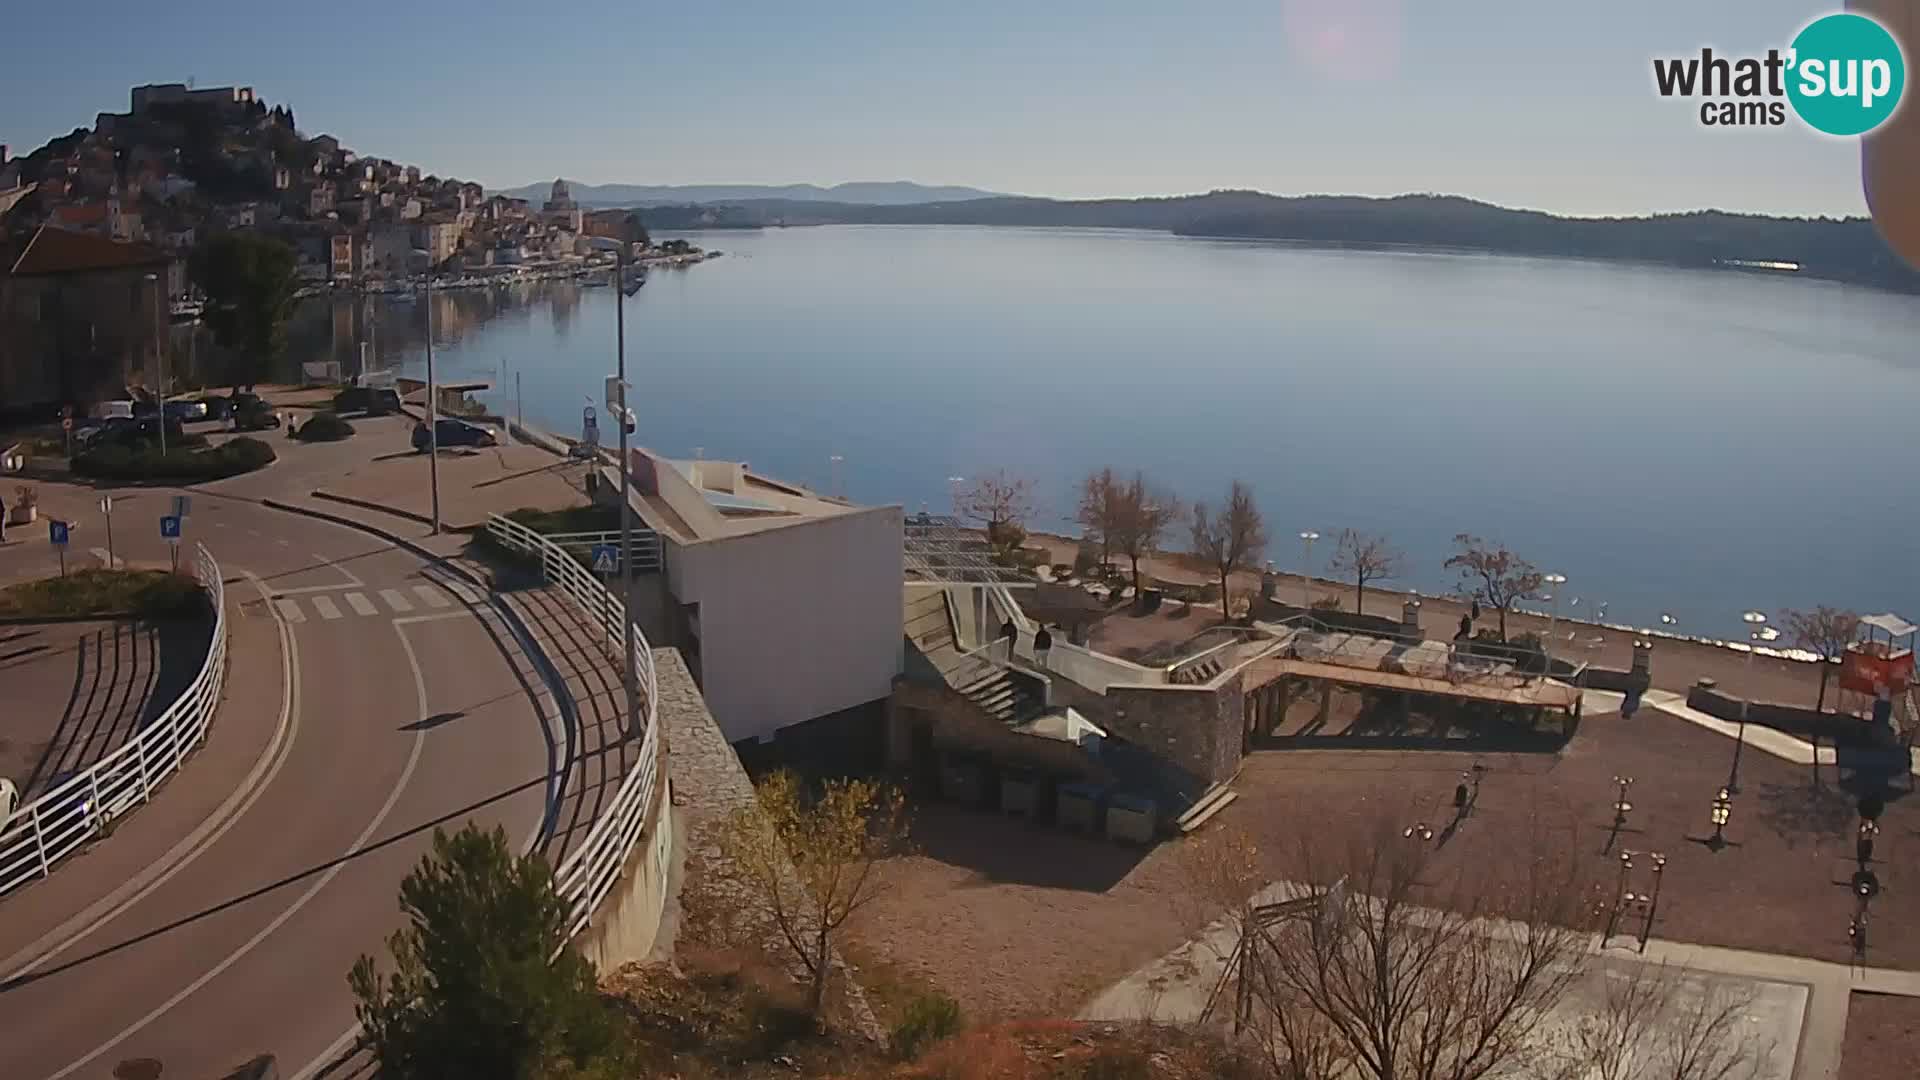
(160, 361)
(1721, 813)
(433, 410)
(1756, 621)
(628, 674)
(1306, 568)
(1553, 614)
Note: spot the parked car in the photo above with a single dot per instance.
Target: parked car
(372, 400)
(122, 431)
(254, 415)
(451, 432)
(217, 406)
(186, 410)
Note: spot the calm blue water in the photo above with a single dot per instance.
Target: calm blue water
(1671, 441)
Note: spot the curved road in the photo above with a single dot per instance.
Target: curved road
(404, 712)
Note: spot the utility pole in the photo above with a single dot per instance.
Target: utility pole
(626, 491)
(433, 411)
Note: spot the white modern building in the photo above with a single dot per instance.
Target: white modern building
(787, 604)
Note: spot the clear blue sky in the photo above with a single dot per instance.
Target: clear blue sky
(1537, 103)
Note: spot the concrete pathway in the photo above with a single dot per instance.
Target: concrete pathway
(1798, 1003)
(1759, 737)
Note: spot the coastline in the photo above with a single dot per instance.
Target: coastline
(1679, 661)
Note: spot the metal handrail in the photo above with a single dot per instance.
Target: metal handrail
(60, 821)
(591, 869)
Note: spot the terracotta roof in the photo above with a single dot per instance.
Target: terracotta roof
(90, 214)
(54, 250)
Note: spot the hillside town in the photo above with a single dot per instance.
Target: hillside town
(99, 229)
(181, 163)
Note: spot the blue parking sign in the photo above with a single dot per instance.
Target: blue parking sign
(57, 532)
(170, 527)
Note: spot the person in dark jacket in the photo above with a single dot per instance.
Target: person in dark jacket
(1473, 613)
(1010, 632)
(1466, 628)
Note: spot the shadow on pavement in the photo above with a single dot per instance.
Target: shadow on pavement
(291, 879)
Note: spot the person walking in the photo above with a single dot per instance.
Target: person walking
(1473, 612)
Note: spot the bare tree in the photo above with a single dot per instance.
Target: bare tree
(1384, 964)
(1824, 630)
(1656, 1022)
(1231, 539)
(1365, 557)
(1101, 510)
(1145, 513)
(1220, 876)
(809, 863)
(1002, 501)
(1494, 574)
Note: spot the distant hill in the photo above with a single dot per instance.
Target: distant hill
(1836, 249)
(871, 193)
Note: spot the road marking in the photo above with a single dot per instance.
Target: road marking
(106, 560)
(434, 597)
(344, 572)
(393, 798)
(361, 605)
(248, 793)
(395, 600)
(284, 543)
(290, 610)
(338, 1048)
(324, 605)
(409, 620)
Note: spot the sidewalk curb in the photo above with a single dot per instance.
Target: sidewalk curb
(365, 504)
(449, 563)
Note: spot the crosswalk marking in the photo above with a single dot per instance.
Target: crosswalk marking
(395, 600)
(360, 604)
(324, 605)
(434, 597)
(290, 609)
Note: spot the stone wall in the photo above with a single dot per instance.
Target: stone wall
(1196, 728)
(1833, 728)
(959, 724)
(706, 902)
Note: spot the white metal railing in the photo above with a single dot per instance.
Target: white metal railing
(646, 545)
(79, 808)
(593, 867)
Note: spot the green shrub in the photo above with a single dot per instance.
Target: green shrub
(926, 1020)
(323, 427)
(184, 465)
(98, 592)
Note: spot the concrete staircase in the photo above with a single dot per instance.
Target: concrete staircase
(1006, 699)
(1000, 693)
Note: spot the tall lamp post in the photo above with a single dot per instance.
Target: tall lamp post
(628, 675)
(160, 360)
(1553, 614)
(433, 403)
(1306, 568)
(1756, 625)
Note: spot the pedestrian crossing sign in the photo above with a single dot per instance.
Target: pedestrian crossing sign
(606, 559)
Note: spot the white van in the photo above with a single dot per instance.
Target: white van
(114, 410)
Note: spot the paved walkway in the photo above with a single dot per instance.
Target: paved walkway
(598, 753)
(1800, 1004)
(1759, 737)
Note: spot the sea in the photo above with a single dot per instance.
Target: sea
(1681, 443)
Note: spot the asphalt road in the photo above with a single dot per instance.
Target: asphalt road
(405, 713)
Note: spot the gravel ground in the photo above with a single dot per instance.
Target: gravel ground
(1015, 919)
